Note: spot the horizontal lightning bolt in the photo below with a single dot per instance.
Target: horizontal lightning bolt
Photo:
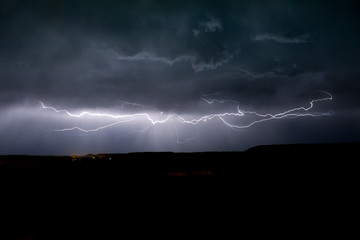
(297, 112)
(131, 116)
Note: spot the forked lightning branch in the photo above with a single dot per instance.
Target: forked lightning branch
(236, 119)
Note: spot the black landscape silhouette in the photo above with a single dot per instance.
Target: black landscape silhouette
(260, 159)
(40, 190)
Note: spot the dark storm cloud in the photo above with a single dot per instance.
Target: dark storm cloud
(210, 25)
(281, 39)
(197, 66)
(71, 49)
(268, 55)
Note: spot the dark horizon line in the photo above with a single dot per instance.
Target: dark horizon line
(261, 147)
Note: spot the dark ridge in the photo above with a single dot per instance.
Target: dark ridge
(319, 149)
(297, 157)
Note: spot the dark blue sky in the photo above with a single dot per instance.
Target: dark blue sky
(165, 57)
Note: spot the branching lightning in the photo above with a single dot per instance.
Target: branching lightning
(241, 117)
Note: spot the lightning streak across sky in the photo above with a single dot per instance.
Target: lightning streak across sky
(241, 117)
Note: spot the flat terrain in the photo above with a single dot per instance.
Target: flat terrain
(296, 180)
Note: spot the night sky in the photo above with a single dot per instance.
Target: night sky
(231, 63)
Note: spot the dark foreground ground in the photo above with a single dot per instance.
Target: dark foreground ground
(301, 190)
(264, 160)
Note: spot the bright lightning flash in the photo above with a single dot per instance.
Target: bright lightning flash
(227, 118)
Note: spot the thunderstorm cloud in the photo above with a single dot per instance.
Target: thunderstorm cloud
(181, 60)
(281, 39)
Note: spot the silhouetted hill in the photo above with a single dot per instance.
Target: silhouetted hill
(309, 150)
(298, 157)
